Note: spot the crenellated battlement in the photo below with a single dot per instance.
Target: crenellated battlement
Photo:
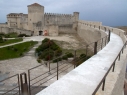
(57, 14)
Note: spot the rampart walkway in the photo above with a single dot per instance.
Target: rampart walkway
(84, 79)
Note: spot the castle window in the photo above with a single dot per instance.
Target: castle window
(30, 19)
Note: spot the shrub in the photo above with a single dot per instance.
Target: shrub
(70, 55)
(22, 35)
(58, 52)
(15, 49)
(59, 59)
(46, 53)
(6, 35)
(8, 47)
(55, 60)
(82, 55)
(54, 47)
(21, 54)
(64, 57)
(1, 39)
(45, 40)
(2, 34)
(48, 57)
(39, 60)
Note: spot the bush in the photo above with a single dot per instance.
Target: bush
(8, 47)
(2, 34)
(39, 60)
(7, 36)
(70, 55)
(64, 57)
(21, 54)
(48, 57)
(82, 55)
(54, 47)
(22, 35)
(1, 39)
(58, 52)
(15, 49)
(55, 60)
(59, 59)
(46, 53)
(45, 40)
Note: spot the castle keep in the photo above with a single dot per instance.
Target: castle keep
(41, 23)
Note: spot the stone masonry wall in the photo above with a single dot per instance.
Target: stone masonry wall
(89, 34)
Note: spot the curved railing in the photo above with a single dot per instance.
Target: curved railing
(112, 66)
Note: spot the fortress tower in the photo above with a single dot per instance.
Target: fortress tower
(76, 16)
(35, 17)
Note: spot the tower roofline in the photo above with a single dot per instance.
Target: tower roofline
(35, 4)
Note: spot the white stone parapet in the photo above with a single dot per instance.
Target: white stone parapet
(85, 78)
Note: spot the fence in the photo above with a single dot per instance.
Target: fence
(102, 82)
(10, 86)
(38, 81)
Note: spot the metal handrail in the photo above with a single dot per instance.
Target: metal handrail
(103, 79)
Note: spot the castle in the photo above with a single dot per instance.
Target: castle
(40, 23)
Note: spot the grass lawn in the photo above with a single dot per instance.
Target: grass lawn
(9, 35)
(16, 50)
(10, 41)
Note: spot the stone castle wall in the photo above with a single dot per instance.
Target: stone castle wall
(88, 33)
(58, 19)
(7, 30)
(3, 25)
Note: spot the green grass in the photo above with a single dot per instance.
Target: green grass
(9, 35)
(16, 50)
(11, 41)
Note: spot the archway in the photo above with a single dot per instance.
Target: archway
(40, 32)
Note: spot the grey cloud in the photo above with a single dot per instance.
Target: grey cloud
(110, 12)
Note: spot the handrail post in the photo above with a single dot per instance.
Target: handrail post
(86, 50)
(95, 48)
(74, 58)
(109, 34)
(119, 56)
(103, 87)
(29, 82)
(102, 43)
(19, 83)
(99, 27)
(113, 66)
(106, 40)
(24, 85)
(57, 70)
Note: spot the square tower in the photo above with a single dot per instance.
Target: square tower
(35, 17)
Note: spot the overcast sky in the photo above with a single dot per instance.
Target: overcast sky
(109, 12)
